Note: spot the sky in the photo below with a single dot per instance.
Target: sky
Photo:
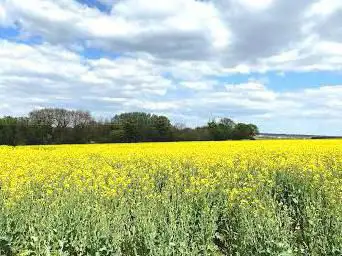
(275, 63)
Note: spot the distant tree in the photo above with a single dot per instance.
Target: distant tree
(227, 129)
(221, 130)
(254, 129)
(117, 135)
(56, 125)
(162, 127)
(80, 118)
(227, 122)
(139, 126)
(59, 126)
(244, 131)
(13, 130)
(215, 131)
(179, 126)
(82, 124)
(8, 126)
(132, 125)
(183, 133)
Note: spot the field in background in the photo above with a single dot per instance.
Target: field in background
(203, 198)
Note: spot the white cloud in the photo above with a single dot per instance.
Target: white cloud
(329, 48)
(241, 36)
(254, 101)
(153, 106)
(166, 48)
(255, 4)
(3, 16)
(33, 76)
(199, 85)
(133, 25)
(285, 56)
(324, 7)
(54, 73)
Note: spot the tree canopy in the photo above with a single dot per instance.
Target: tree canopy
(61, 126)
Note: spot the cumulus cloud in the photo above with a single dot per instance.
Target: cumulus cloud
(233, 33)
(315, 111)
(133, 25)
(55, 74)
(3, 16)
(170, 56)
(324, 7)
(43, 75)
(95, 85)
(199, 85)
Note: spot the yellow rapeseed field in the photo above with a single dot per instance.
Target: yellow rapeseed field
(234, 167)
(269, 178)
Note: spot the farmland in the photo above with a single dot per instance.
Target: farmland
(192, 198)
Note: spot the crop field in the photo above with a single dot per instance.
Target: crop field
(195, 198)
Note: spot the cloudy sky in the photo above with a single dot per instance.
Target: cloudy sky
(276, 63)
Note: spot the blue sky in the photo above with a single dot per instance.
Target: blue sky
(190, 60)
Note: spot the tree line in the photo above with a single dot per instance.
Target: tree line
(61, 126)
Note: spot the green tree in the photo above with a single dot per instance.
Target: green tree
(221, 130)
(244, 131)
(139, 126)
(161, 127)
(8, 126)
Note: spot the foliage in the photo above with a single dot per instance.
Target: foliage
(226, 129)
(141, 127)
(61, 126)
